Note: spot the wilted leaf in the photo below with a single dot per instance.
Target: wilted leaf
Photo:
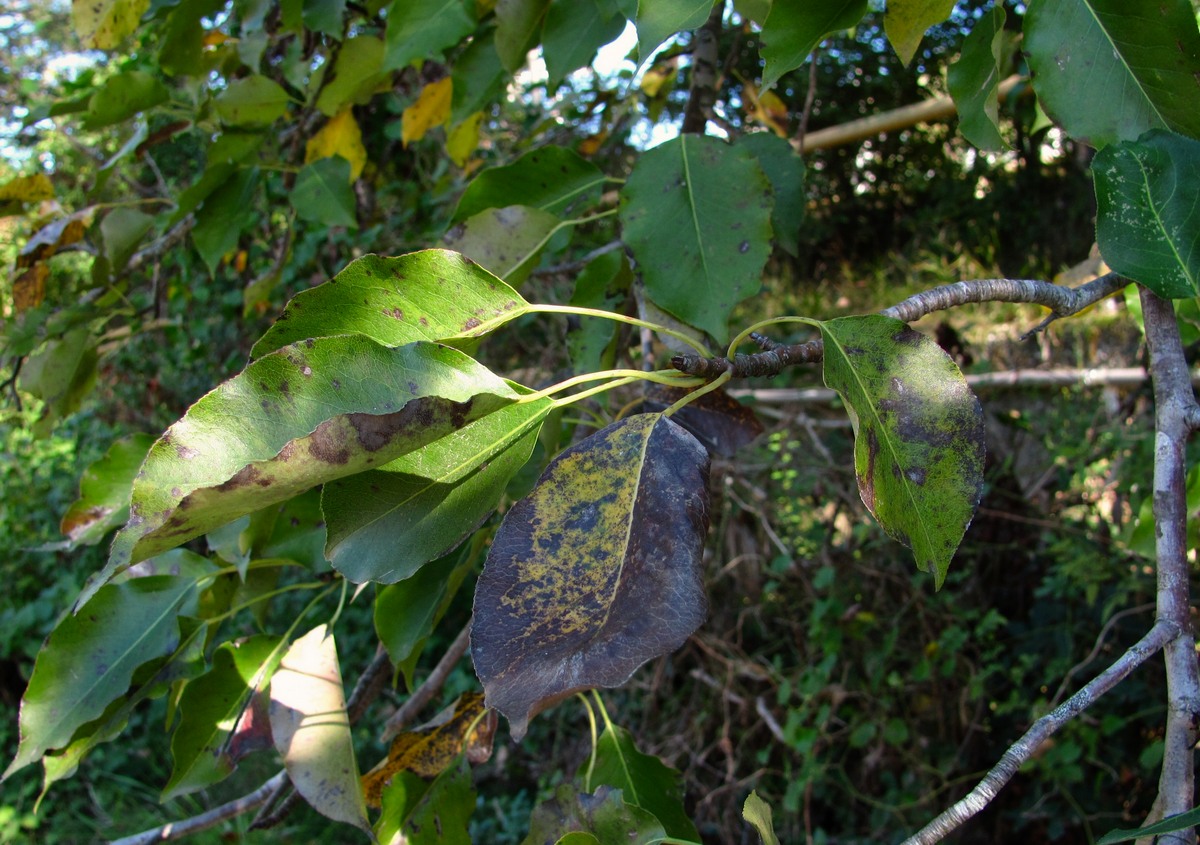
(387, 523)
(103, 501)
(604, 814)
(644, 780)
(658, 20)
(696, 213)
(433, 294)
(507, 241)
(906, 21)
(552, 179)
(1149, 59)
(296, 418)
(34, 188)
(103, 24)
(90, 658)
(419, 29)
(431, 109)
(918, 433)
(785, 171)
(437, 815)
(215, 710)
(322, 193)
(356, 74)
(429, 750)
(255, 101)
(758, 813)
(716, 419)
(517, 25)
(339, 137)
(596, 571)
(572, 33)
(793, 30)
(312, 730)
(1148, 211)
(463, 139)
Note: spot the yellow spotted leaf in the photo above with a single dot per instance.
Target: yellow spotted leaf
(33, 188)
(431, 109)
(339, 137)
(103, 24)
(463, 139)
(596, 571)
(430, 749)
(29, 287)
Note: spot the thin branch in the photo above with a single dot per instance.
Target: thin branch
(809, 98)
(1024, 748)
(579, 263)
(430, 687)
(1096, 647)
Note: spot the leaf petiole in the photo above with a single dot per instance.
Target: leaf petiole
(620, 318)
(762, 324)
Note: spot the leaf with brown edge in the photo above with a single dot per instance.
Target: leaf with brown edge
(306, 414)
(596, 571)
(103, 501)
(719, 421)
(430, 749)
(918, 433)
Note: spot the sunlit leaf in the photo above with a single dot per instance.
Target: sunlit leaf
(658, 20)
(103, 501)
(339, 137)
(644, 780)
(758, 813)
(697, 215)
(572, 33)
(437, 815)
(355, 75)
(1109, 70)
(974, 81)
(293, 419)
(33, 188)
(433, 294)
(603, 814)
(251, 102)
(312, 730)
(1148, 211)
(387, 523)
(463, 139)
(507, 241)
(793, 30)
(596, 571)
(423, 29)
(517, 25)
(322, 193)
(552, 179)
(90, 658)
(103, 24)
(431, 109)
(905, 22)
(918, 433)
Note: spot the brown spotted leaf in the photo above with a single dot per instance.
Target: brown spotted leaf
(306, 414)
(103, 501)
(430, 749)
(596, 571)
(434, 294)
(918, 433)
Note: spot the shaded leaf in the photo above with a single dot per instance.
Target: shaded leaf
(517, 25)
(90, 658)
(121, 230)
(713, 202)
(322, 193)
(572, 33)
(604, 814)
(122, 96)
(658, 20)
(793, 30)
(551, 178)
(324, 16)
(312, 730)
(339, 137)
(463, 139)
(181, 50)
(644, 780)
(1168, 825)
(424, 29)
(507, 241)
(974, 81)
(478, 78)
(918, 433)
(1145, 57)
(431, 109)
(255, 101)
(596, 571)
(603, 284)
(306, 414)
(905, 22)
(433, 294)
(225, 213)
(430, 749)
(216, 716)
(103, 24)
(387, 523)
(438, 815)
(355, 75)
(785, 171)
(1148, 211)
(723, 424)
(61, 374)
(758, 813)
(103, 501)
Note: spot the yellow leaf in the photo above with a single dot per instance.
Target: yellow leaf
(103, 24)
(29, 287)
(656, 77)
(33, 188)
(339, 137)
(463, 139)
(431, 109)
(215, 38)
(766, 109)
(589, 145)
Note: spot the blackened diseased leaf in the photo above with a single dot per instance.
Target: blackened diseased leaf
(918, 433)
(605, 814)
(596, 571)
(719, 421)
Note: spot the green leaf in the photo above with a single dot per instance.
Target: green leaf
(322, 193)
(477, 79)
(356, 74)
(121, 230)
(103, 501)
(1148, 211)
(182, 42)
(122, 96)
(644, 780)
(658, 20)
(225, 213)
(104, 24)
(254, 102)
(324, 16)
(785, 171)
(61, 374)
(696, 213)
(793, 30)
(507, 241)
(603, 284)
(217, 725)
(424, 29)
(574, 30)
(758, 813)
(596, 571)
(433, 294)
(386, 524)
(90, 658)
(304, 415)
(1168, 825)
(517, 25)
(918, 433)
(974, 81)
(553, 179)
(435, 816)
(1109, 70)
(602, 814)
(312, 729)
(906, 21)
